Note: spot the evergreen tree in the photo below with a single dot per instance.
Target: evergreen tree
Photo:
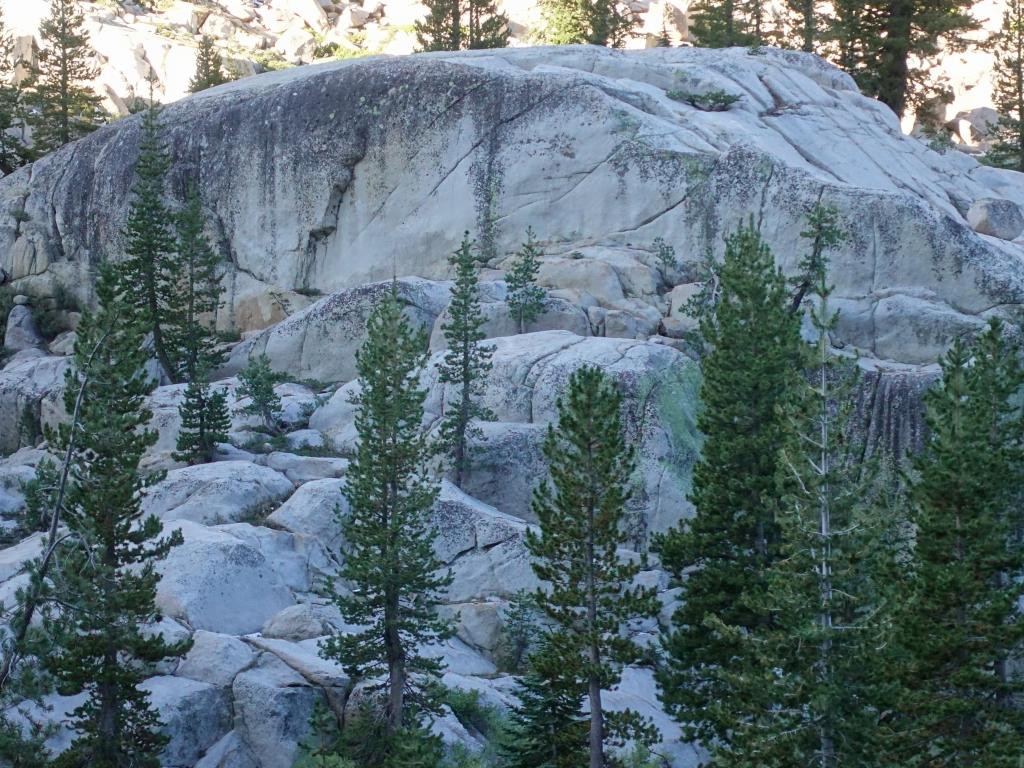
(256, 382)
(454, 25)
(549, 729)
(467, 361)
(879, 43)
(725, 23)
(204, 413)
(390, 563)
(576, 551)
(813, 689)
(598, 22)
(61, 106)
(1008, 149)
(725, 551)
(151, 272)
(107, 578)
(960, 631)
(806, 18)
(13, 152)
(209, 67)
(525, 297)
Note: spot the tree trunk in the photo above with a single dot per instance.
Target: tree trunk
(894, 72)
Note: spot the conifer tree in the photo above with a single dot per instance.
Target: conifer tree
(725, 551)
(107, 578)
(598, 22)
(806, 18)
(813, 689)
(13, 152)
(1008, 149)
(61, 105)
(725, 23)
(204, 412)
(576, 552)
(455, 25)
(549, 729)
(467, 361)
(959, 632)
(390, 563)
(209, 67)
(256, 382)
(525, 297)
(151, 272)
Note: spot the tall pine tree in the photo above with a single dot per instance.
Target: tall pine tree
(204, 412)
(209, 67)
(455, 25)
(721, 557)
(13, 151)
(390, 563)
(960, 631)
(61, 105)
(813, 687)
(151, 272)
(581, 513)
(725, 23)
(1008, 149)
(107, 579)
(525, 297)
(598, 22)
(467, 361)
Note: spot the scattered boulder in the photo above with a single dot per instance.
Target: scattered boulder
(215, 658)
(194, 714)
(22, 332)
(998, 218)
(311, 512)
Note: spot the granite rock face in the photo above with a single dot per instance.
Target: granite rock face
(332, 176)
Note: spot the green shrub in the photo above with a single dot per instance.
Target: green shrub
(712, 101)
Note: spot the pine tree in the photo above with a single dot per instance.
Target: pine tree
(813, 689)
(598, 22)
(61, 106)
(1008, 148)
(151, 272)
(879, 44)
(549, 729)
(960, 632)
(525, 297)
(204, 413)
(725, 23)
(576, 552)
(806, 18)
(13, 151)
(467, 361)
(454, 25)
(390, 562)
(209, 67)
(107, 578)
(256, 382)
(725, 551)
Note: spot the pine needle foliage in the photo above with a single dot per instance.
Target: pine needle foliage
(466, 362)
(61, 106)
(525, 297)
(107, 580)
(1008, 149)
(721, 557)
(581, 512)
(256, 382)
(13, 151)
(390, 564)
(151, 273)
(959, 633)
(455, 25)
(209, 67)
(549, 728)
(598, 22)
(205, 420)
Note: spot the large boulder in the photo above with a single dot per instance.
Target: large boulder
(28, 378)
(194, 715)
(21, 332)
(223, 492)
(998, 218)
(598, 150)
